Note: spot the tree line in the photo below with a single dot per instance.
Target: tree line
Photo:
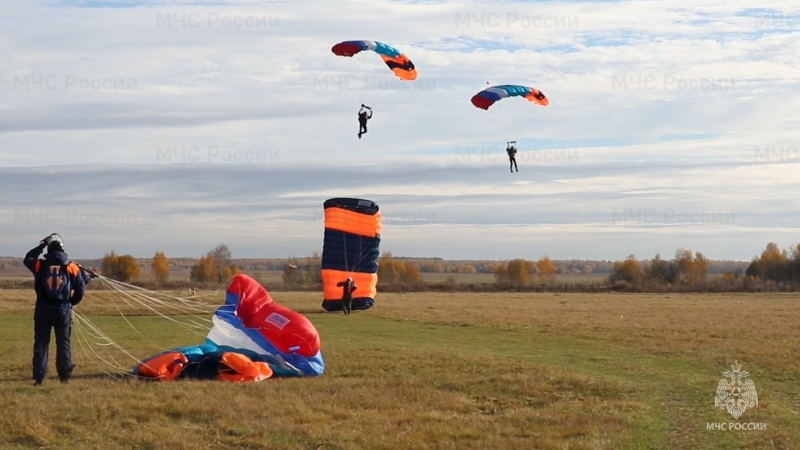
(773, 269)
(687, 270)
(776, 265)
(213, 267)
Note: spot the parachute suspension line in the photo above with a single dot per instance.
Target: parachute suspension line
(142, 300)
(84, 340)
(102, 349)
(149, 302)
(105, 341)
(182, 300)
(180, 304)
(346, 255)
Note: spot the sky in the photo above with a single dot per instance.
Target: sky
(174, 126)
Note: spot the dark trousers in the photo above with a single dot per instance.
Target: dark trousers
(513, 164)
(362, 127)
(347, 303)
(47, 317)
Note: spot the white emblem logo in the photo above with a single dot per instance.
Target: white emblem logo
(737, 395)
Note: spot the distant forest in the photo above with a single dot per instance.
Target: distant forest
(425, 265)
(774, 269)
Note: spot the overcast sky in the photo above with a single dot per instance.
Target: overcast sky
(166, 125)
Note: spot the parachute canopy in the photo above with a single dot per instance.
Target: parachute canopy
(350, 249)
(252, 338)
(250, 322)
(399, 63)
(204, 362)
(487, 97)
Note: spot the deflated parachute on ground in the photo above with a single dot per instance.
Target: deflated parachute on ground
(253, 338)
(399, 63)
(351, 248)
(487, 97)
(205, 362)
(250, 322)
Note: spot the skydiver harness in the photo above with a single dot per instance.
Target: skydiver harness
(362, 113)
(53, 281)
(511, 148)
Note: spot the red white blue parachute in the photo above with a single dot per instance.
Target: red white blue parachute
(252, 338)
(251, 322)
(398, 62)
(487, 97)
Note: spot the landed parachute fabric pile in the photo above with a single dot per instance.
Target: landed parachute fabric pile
(252, 339)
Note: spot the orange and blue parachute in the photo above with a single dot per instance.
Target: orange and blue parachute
(487, 97)
(350, 249)
(252, 339)
(399, 63)
(204, 362)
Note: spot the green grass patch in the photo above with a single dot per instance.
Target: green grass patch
(432, 371)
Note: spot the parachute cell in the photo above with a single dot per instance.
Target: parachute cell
(250, 322)
(398, 62)
(487, 97)
(351, 248)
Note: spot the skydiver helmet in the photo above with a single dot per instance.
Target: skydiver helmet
(56, 243)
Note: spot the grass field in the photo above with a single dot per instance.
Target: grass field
(434, 371)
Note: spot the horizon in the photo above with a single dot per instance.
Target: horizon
(235, 258)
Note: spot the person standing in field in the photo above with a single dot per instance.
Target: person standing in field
(348, 287)
(59, 285)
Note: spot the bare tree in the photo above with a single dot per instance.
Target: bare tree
(221, 255)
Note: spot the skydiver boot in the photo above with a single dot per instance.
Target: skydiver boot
(38, 378)
(66, 375)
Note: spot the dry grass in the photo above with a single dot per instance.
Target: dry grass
(435, 371)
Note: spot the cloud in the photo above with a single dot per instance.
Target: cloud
(182, 122)
(466, 211)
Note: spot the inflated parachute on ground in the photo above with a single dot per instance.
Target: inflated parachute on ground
(487, 97)
(253, 338)
(350, 249)
(399, 63)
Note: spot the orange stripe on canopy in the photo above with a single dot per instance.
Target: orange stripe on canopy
(366, 283)
(353, 222)
(404, 72)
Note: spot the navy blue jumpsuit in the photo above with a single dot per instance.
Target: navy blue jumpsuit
(53, 313)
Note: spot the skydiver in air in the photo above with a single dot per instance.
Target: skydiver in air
(364, 114)
(348, 287)
(511, 149)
